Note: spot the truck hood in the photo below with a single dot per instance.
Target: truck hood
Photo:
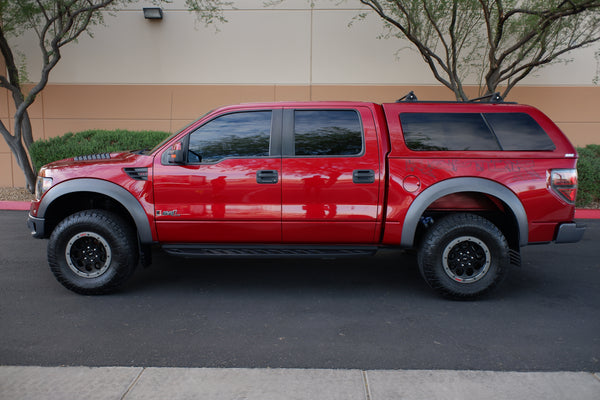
(94, 159)
(114, 167)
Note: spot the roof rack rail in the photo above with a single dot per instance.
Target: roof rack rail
(492, 98)
(409, 98)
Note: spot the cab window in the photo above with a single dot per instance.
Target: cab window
(241, 134)
(327, 133)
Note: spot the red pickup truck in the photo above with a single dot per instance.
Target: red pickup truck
(464, 184)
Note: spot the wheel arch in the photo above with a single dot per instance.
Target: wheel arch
(74, 189)
(458, 185)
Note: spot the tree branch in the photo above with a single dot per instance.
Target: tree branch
(526, 69)
(429, 57)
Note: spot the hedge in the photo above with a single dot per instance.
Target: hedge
(101, 141)
(92, 142)
(588, 169)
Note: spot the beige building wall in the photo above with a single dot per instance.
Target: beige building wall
(141, 74)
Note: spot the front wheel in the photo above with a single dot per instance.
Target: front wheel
(92, 252)
(463, 256)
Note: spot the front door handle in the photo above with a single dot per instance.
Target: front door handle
(268, 176)
(363, 176)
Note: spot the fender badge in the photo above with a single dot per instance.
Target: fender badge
(172, 213)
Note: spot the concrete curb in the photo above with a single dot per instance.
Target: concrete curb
(130, 383)
(581, 213)
(24, 205)
(14, 205)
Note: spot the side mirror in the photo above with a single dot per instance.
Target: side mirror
(176, 154)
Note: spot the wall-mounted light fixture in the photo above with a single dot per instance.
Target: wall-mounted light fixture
(153, 13)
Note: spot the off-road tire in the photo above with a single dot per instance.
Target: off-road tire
(93, 252)
(463, 256)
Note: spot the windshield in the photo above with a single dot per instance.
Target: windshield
(161, 144)
(158, 146)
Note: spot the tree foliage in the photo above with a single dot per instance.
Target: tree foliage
(495, 42)
(56, 23)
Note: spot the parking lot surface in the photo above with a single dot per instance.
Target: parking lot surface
(362, 313)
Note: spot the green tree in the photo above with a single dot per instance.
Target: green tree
(57, 23)
(494, 42)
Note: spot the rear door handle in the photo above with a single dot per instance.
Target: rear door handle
(363, 176)
(268, 176)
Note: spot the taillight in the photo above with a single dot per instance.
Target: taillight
(564, 183)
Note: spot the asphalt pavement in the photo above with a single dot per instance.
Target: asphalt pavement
(364, 328)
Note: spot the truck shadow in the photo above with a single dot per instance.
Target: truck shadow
(388, 270)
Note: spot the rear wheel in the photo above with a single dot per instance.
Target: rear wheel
(92, 252)
(463, 256)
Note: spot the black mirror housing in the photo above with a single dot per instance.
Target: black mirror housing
(176, 154)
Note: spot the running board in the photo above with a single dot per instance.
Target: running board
(266, 251)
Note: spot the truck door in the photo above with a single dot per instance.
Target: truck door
(331, 175)
(227, 187)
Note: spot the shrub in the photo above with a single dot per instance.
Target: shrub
(588, 169)
(91, 142)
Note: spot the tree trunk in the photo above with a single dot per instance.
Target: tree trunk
(22, 129)
(26, 130)
(20, 154)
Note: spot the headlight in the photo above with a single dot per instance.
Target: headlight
(41, 186)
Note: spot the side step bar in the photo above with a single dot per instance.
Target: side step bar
(266, 251)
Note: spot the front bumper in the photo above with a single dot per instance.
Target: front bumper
(569, 233)
(36, 225)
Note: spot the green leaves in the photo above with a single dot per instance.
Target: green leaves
(588, 168)
(208, 11)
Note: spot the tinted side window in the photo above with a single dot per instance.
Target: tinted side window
(243, 134)
(447, 131)
(518, 131)
(327, 133)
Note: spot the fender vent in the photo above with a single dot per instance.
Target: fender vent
(139, 174)
(91, 157)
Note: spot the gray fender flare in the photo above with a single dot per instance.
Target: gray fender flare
(456, 185)
(105, 188)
